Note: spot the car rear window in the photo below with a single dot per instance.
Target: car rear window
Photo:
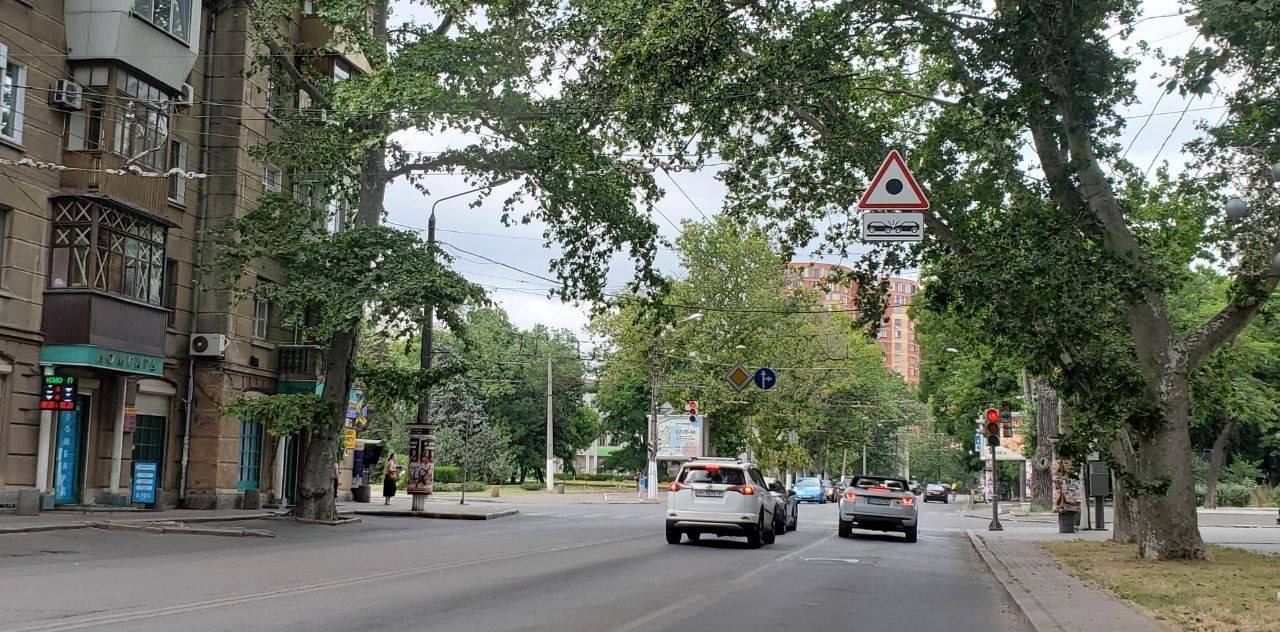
(894, 485)
(807, 482)
(718, 476)
(933, 487)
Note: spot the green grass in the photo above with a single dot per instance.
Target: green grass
(1238, 591)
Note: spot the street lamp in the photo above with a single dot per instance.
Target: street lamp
(1237, 208)
(651, 488)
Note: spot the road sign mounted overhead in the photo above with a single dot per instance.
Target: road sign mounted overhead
(893, 187)
(738, 377)
(892, 226)
(765, 378)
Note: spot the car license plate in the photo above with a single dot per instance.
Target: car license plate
(708, 493)
(877, 501)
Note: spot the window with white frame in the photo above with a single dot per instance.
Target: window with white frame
(170, 16)
(13, 92)
(272, 180)
(261, 316)
(177, 160)
(142, 121)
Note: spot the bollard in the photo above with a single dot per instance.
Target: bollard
(252, 500)
(495, 491)
(28, 502)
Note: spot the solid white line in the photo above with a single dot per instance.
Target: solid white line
(76, 624)
(638, 623)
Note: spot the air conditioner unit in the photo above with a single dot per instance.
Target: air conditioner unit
(186, 98)
(208, 345)
(67, 94)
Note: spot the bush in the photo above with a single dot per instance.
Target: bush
(448, 474)
(531, 486)
(1200, 492)
(1234, 495)
(1242, 472)
(586, 476)
(472, 486)
(1275, 495)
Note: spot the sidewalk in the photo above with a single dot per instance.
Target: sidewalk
(438, 507)
(1049, 598)
(59, 520)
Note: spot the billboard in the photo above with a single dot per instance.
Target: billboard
(679, 438)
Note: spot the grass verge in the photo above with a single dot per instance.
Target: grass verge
(1238, 592)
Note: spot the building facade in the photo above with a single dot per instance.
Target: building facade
(897, 335)
(126, 129)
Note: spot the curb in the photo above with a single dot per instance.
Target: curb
(440, 515)
(1032, 613)
(36, 528)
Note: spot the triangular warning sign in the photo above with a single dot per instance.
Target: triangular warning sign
(893, 187)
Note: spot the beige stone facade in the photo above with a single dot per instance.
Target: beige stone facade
(98, 265)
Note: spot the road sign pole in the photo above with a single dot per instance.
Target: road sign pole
(995, 493)
(551, 459)
(651, 439)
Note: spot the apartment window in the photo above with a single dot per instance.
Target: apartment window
(5, 213)
(100, 247)
(171, 289)
(897, 346)
(13, 91)
(309, 7)
(882, 333)
(833, 296)
(812, 273)
(897, 333)
(261, 317)
(272, 180)
(142, 121)
(275, 90)
(170, 16)
(177, 160)
(340, 72)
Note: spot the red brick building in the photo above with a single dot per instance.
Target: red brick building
(897, 335)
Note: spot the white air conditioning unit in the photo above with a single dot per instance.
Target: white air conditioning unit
(186, 98)
(208, 345)
(67, 94)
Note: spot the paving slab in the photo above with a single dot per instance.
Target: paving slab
(1049, 598)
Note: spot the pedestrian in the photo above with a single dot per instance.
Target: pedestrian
(335, 482)
(389, 476)
(643, 484)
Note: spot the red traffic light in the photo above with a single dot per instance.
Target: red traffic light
(992, 415)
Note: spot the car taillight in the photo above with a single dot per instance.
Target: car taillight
(909, 500)
(745, 490)
(850, 496)
(675, 487)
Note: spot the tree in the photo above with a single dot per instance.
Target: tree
(1069, 272)
(339, 142)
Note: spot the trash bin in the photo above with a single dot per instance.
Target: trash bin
(559, 488)
(1067, 521)
(360, 494)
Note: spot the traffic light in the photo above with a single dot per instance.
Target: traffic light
(993, 422)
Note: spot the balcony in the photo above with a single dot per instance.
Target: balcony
(106, 321)
(147, 193)
(314, 32)
(301, 368)
(160, 39)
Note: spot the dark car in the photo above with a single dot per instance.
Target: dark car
(908, 227)
(879, 227)
(829, 490)
(937, 491)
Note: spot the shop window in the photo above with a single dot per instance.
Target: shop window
(13, 92)
(103, 248)
(249, 472)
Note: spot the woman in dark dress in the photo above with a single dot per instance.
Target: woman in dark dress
(389, 476)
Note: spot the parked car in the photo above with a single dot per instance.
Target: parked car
(723, 497)
(829, 490)
(937, 491)
(809, 490)
(788, 515)
(878, 503)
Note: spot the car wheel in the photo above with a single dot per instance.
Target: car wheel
(795, 521)
(754, 534)
(673, 536)
(769, 536)
(846, 529)
(779, 523)
(946, 501)
(911, 534)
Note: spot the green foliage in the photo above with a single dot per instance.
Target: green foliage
(448, 474)
(1242, 472)
(472, 486)
(282, 415)
(532, 486)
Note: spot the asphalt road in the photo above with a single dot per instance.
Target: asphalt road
(564, 567)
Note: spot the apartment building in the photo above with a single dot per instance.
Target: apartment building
(125, 135)
(897, 335)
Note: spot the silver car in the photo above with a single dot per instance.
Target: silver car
(720, 497)
(787, 514)
(878, 503)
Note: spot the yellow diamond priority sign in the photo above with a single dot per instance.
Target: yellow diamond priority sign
(738, 377)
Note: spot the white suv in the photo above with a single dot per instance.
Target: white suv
(721, 497)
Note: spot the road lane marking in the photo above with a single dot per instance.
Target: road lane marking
(657, 614)
(781, 558)
(76, 624)
(843, 560)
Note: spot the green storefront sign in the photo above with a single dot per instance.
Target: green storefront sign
(99, 358)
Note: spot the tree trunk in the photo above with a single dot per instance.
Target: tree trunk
(1216, 456)
(1046, 402)
(1124, 526)
(1168, 528)
(315, 489)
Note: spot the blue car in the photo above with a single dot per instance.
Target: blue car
(809, 490)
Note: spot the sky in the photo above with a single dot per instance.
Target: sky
(480, 230)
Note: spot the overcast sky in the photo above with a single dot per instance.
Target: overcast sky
(525, 297)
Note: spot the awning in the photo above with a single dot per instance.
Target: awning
(99, 358)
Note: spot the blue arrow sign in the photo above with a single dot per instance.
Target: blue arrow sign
(765, 378)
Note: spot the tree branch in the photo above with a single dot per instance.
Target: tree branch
(916, 95)
(318, 97)
(924, 10)
(1253, 292)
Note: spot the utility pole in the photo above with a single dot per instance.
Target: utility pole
(551, 459)
(651, 489)
(422, 439)
(844, 462)
(864, 459)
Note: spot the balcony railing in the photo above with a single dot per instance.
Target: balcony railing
(301, 362)
(88, 317)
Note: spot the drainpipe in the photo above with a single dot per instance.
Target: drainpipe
(202, 212)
